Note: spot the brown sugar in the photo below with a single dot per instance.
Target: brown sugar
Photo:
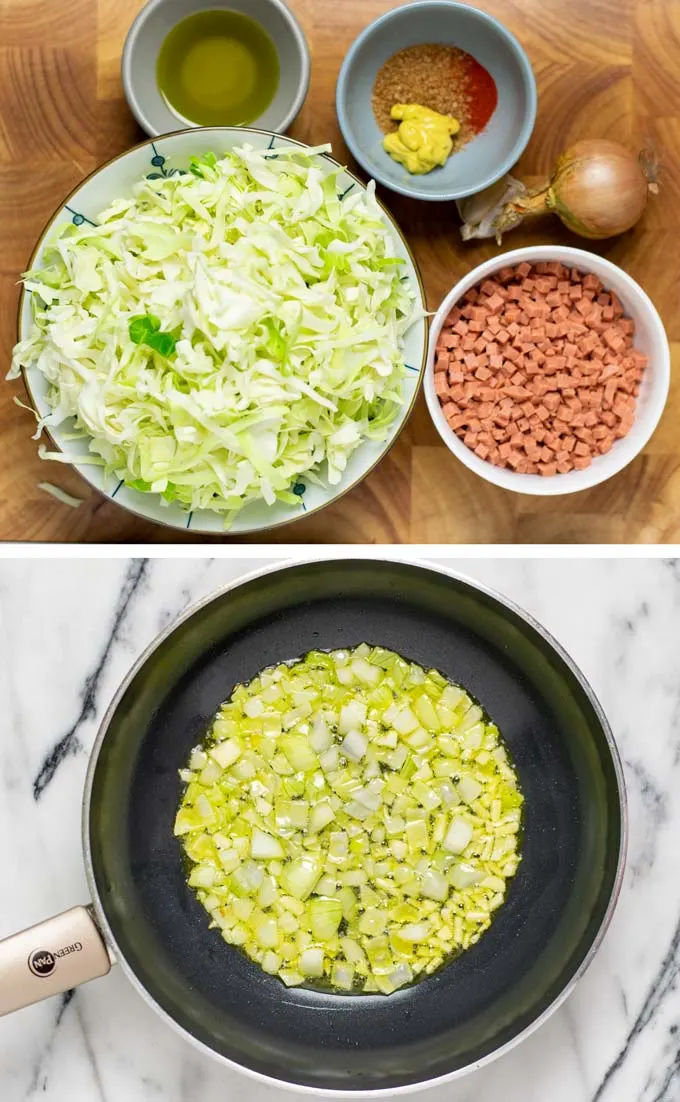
(429, 74)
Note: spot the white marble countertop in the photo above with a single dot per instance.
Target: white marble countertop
(69, 630)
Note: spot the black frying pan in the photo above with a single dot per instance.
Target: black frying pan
(483, 1002)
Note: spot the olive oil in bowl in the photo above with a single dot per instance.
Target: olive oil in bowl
(218, 68)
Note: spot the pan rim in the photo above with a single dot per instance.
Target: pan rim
(524, 1034)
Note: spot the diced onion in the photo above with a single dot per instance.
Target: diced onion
(330, 759)
(469, 789)
(458, 836)
(342, 975)
(271, 962)
(210, 773)
(354, 745)
(405, 721)
(300, 876)
(352, 818)
(365, 672)
(464, 876)
(352, 715)
(204, 808)
(267, 933)
(253, 707)
(311, 963)
(434, 886)
(322, 815)
(325, 917)
(263, 845)
(321, 738)
(415, 931)
(402, 974)
(226, 753)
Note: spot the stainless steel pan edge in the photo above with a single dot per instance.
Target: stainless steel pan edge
(102, 920)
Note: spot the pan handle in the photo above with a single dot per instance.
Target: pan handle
(52, 957)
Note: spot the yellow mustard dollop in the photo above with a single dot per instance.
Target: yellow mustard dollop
(423, 140)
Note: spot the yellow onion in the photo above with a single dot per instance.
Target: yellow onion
(598, 188)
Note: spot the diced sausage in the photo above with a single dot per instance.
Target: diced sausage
(536, 369)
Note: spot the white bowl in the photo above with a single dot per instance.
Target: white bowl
(156, 20)
(650, 338)
(162, 157)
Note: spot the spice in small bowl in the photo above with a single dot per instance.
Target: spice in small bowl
(435, 78)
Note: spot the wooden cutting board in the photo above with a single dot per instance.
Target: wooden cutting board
(605, 68)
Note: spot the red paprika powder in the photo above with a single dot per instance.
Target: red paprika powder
(481, 94)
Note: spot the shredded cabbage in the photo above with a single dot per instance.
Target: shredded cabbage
(351, 818)
(224, 331)
(61, 495)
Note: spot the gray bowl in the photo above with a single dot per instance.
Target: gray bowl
(488, 156)
(158, 17)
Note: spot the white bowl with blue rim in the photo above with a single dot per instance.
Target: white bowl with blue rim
(490, 154)
(165, 156)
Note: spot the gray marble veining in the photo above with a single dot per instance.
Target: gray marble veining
(69, 630)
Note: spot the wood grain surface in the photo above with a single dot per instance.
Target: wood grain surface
(604, 68)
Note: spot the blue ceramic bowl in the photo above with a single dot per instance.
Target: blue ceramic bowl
(489, 155)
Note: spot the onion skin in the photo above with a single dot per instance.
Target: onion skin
(598, 188)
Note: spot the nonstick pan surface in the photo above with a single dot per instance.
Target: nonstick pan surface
(558, 904)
